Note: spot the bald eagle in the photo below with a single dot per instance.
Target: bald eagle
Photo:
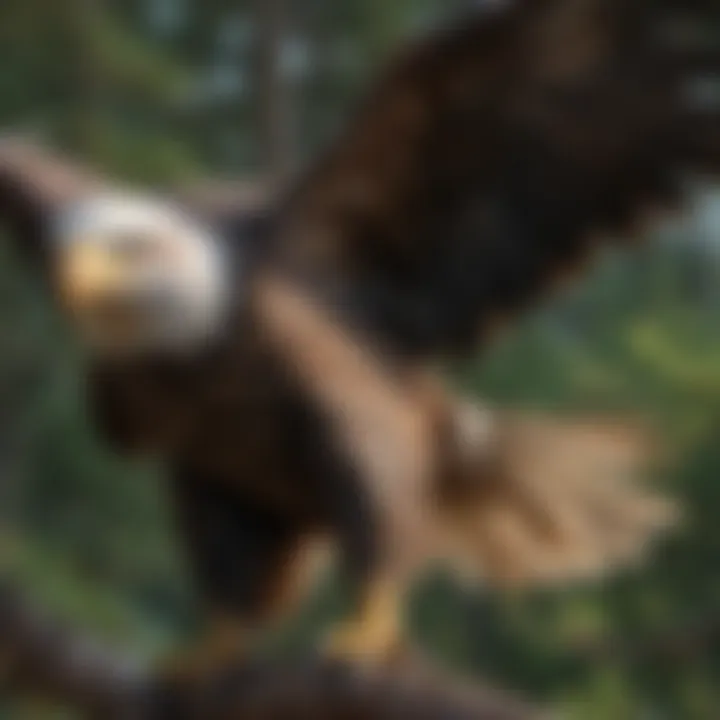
(279, 356)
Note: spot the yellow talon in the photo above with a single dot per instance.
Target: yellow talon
(373, 634)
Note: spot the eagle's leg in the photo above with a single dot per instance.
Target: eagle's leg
(244, 562)
(374, 631)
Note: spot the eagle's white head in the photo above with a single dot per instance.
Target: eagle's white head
(139, 275)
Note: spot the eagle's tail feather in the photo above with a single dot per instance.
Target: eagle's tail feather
(542, 501)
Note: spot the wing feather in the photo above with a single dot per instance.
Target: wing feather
(489, 160)
(34, 186)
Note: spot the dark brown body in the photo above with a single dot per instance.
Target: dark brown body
(252, 464)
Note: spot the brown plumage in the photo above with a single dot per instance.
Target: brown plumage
(483, 169)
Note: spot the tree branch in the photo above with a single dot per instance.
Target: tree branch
(38, 657)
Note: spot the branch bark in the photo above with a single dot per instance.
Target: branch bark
(38, 657)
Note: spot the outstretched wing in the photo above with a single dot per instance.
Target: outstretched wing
(226, 202)
(489, 159)
(236, 211)
(540, 499)
(34, 186)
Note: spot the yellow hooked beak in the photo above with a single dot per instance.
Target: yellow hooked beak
(87, 273)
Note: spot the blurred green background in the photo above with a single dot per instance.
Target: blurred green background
(162, 91)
